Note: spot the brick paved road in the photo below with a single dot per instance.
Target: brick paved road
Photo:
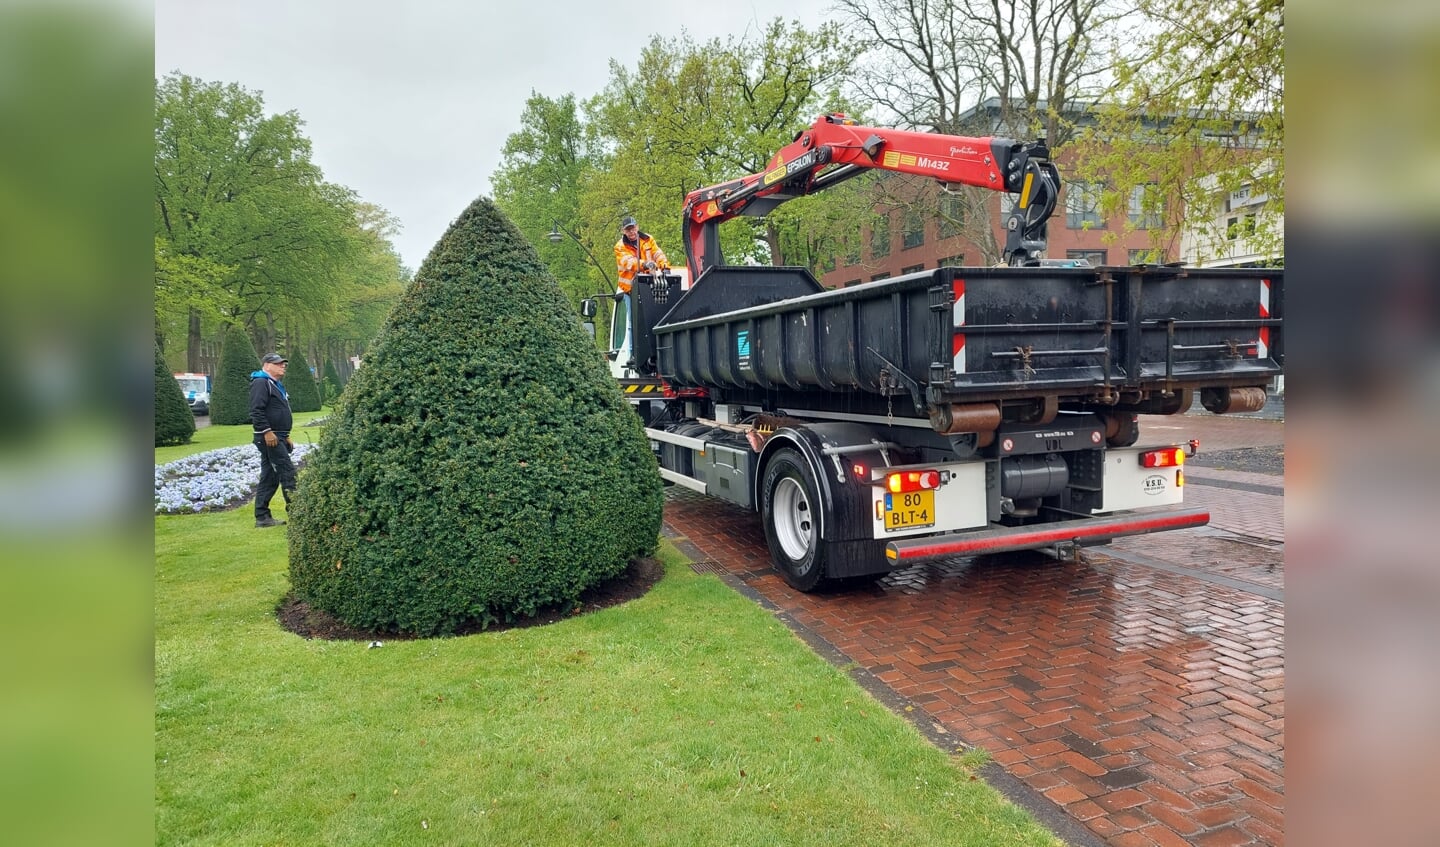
(1133, 698)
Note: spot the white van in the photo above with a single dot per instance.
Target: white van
(196, 388)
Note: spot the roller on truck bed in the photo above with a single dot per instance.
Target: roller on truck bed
(942, 413)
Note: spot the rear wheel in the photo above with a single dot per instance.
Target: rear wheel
(790, 510)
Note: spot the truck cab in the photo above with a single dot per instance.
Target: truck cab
(196, 388)
(655, 293)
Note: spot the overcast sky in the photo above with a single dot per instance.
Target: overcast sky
(408, 102)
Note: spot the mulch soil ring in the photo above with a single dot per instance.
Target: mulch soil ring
(640, 576)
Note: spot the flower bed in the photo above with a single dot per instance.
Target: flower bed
(212, 481)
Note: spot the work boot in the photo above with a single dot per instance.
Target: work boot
(264, 522)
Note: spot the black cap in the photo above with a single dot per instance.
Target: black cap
(274, 359)
(627, 221)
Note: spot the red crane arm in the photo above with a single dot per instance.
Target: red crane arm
(834, 149)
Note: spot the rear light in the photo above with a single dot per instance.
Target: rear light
(1179, 479)
(1170, 457)
(903, 481)
(858, 470)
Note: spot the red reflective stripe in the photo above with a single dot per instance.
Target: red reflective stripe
(1057, 534)
(1262, 349)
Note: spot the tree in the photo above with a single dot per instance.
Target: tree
(245, 225)
(692, 114)
(174, 422)
(332, 384)
(482, 464)
(230, 385)
(1198, 113)
(934, 63)
(300, 384)
(538, 185)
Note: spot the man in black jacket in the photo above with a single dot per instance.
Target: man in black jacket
(270, 413)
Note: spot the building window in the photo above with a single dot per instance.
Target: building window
(910, 269)
(1147, 207)
(1096, 258)
(880, 237)
(952, 215)
(1152, 256)
(1082, 206)
(878, 277)
(852, 249)
(954, 261)
(1240, 226)
(913, 235)
(850, 282)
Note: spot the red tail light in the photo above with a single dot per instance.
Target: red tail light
(903, 481)
(1170, 457)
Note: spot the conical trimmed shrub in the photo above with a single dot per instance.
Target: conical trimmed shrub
(230, 386)
(174, 422)
(483, 464)
(300, 384)
(332, 384)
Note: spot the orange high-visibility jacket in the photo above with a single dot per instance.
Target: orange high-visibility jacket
(630, 255)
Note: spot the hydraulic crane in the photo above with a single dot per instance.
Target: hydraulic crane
(835, 149)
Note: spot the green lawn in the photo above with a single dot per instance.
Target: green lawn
(214, 437)
(687, 717)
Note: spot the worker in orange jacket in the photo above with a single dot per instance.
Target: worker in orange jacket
(634, 252)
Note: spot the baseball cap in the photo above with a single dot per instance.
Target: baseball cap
(627, 221)
(274, 359)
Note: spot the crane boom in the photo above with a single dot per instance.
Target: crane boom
(835, 149)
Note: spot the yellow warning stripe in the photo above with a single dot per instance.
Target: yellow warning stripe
(643, 389)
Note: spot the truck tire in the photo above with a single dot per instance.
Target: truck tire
(789, 509)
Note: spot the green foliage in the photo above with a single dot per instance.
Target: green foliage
(246, 226)
(331, 385)
(300, 384)
(230, 384)
(537, 186)
(687, 115)
(691, 114)
(482, 464)
(1198, 113)
(174, 422)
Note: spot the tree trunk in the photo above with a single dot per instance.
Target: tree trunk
(192, 343)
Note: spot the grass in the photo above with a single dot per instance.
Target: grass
(214, 437)
(689, 716)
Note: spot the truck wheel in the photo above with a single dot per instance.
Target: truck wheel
(789, 508)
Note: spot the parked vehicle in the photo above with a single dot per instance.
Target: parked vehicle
(196, 388)
(942, 413)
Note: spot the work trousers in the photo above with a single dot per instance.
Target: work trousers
(276, 472)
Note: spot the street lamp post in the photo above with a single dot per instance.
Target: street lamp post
(555, 235)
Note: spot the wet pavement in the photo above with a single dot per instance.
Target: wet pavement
(1135, 697)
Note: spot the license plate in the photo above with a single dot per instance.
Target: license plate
(910, 510)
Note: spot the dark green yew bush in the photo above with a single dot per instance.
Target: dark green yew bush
(482, 463)
(300, 384)
(230, 385)
(174, 422)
